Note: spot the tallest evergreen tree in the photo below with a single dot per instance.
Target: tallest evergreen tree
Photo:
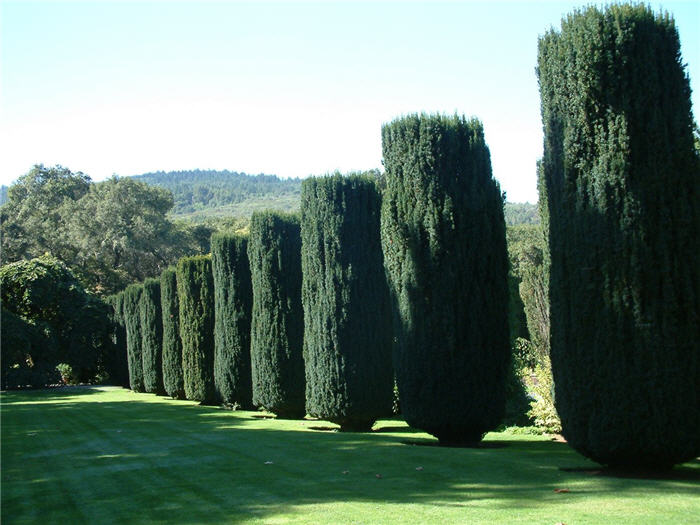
(621, 180)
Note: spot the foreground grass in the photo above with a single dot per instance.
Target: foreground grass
(107, 455)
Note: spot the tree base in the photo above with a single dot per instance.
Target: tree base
(355, 425)
(470, 440)
(289, 414)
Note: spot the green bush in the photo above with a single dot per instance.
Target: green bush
(233, 301)
(347, 335)
(27, 351)
(172, 345)
(443, 235)
(152, 337)
(71, 326)
(195, 291)
(277, 333)
(621, 177)
(134, 340)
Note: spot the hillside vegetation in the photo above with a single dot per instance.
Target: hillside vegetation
(200, 195)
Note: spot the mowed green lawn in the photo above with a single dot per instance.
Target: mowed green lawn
(107, 455)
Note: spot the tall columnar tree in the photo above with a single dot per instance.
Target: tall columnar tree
(152, 337)
(132, 322)
(195, 291)
(347, 315)
(172, 345)
(117, 362)
(443, 234)
(621, 182)
(233, 301)
(277, 333)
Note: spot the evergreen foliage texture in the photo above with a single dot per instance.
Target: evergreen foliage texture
(172, 345)
(116, 362)
(134, 340)
(195, 291)
(443, 234)
(621, 179)
(277, 331)
(233, 300)
(152, 337)
(347, 315)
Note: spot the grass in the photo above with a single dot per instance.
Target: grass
(107, 455)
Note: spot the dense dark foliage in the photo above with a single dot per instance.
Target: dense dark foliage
(621, 178)
(63, 323)
(277, 333)
(233, 302)
(134, 340)
(152, 337)
(172, 345)
(347, 335)
(27, 353)
(116, 362)
(444, 242)
(195, 291)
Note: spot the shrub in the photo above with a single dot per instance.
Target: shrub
(233, 299)
(277, 333)
(621, 178)
(172, 345)
(71, 325)
(347, 336)
(195, 291)
(152, 337)
(443, 234)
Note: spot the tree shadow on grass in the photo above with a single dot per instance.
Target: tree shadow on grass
(145, 458)
(687, 472)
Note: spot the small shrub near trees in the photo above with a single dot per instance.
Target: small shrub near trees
(621, 177)
(233, 298)
(195, 291)
(172, 345)
(277, 333)
(347, 336)
(443, 234)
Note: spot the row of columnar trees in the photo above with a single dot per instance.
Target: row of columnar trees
(620, 179)
(189, 333)
(297, 318)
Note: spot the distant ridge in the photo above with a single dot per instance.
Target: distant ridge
(210, 193)
(216, 193)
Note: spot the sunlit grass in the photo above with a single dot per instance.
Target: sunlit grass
(107, 455)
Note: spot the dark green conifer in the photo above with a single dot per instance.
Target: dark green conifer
(195, 291)
(443, 234)
(151, 337)
(621, 179)
(277, 333)
(347, 316)
(117, 361)
(132, 323)
(233, 300)
(172, 346)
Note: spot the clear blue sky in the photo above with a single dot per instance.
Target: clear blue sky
(284, 88)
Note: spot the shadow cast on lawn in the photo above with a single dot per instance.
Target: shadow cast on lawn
(679, 473)
(150, 458)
